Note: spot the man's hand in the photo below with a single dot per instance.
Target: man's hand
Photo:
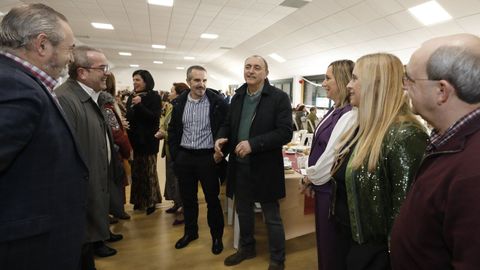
(219, 144)
(217, 157)
(243, 149)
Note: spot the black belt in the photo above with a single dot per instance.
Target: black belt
(198, 152)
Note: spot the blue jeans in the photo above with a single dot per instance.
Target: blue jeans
(245, 209)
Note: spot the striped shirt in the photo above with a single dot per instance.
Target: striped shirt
(437, 139)
(197, 133)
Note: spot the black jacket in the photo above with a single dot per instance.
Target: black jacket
(144, 120)
(218, 112)
(271, 128)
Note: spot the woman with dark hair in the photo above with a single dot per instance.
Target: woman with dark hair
(172, 191)
(143, 114)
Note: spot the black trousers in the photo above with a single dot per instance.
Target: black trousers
(86, 259)
(190, 167)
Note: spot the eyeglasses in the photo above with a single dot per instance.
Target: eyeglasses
(406, 78)
(105, 68)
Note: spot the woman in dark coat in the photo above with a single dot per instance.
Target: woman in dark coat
(143, 113)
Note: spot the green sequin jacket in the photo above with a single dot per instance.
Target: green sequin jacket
(374, 198)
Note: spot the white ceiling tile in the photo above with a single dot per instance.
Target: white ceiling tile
(363, 12)
(382, 28)
(403, 21)
(385, 7)
(340, 21)
(410, 3)
(470, 24)
(447, 28)
(348, 3)
(460, 8)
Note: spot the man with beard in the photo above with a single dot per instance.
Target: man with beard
(196, 118)
(78, 97)
(43, 177)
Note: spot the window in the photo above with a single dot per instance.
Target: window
(314, 95)
(285, 84)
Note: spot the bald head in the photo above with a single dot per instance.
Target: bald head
(454, 58)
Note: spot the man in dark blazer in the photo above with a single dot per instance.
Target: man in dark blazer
(78, 97)
(196, 118)
(42, 175)
(258, 124)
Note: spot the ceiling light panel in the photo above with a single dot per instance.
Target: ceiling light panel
(158, 46)
(165, 3)
(430, 13)
(105, 26)
(277, 57)
(125, 53)
(209, 36)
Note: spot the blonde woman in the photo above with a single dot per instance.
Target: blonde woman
(336, 121)
(376, 163)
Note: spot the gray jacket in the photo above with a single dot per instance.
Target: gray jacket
(90, 129)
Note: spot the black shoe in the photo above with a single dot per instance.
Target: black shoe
(104, 251)
(150, 210)
(276, 265)
(217, 246)
(238, 257)
(185, 240)
(124, 216)
(112, 220)
(114, 237)
(172, 209)
(178, 222)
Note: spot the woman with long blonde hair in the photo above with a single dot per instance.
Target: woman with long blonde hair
(376, 162)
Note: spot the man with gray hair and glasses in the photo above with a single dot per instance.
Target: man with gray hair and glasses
(79, 96)
(42, 175)
(437, 227)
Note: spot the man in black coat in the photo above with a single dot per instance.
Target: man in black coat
(196, 117)
(43, 177)
(259, 123)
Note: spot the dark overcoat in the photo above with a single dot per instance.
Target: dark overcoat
(271, 128)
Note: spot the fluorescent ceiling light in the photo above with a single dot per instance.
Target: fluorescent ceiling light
(180, 68)
(214, 77)
(189, 58)
(158, 62)
(209, 36)
(106, 26)
(166, 3)
(430, 13)
(125, 53)
(158, 46)
(277, 57)
(134, 65)
(1, 13)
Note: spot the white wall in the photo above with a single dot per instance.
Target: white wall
(163, 79)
